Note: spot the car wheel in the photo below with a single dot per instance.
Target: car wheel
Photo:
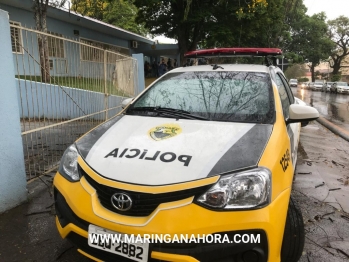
(293, 242)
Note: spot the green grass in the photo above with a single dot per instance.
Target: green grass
(84, 83)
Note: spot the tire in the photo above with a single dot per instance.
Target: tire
(293, 242)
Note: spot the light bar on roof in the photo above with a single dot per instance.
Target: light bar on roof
(233, 51)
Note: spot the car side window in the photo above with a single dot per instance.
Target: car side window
(288, 89)
(285, 101)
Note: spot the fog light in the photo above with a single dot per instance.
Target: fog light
(250, 256)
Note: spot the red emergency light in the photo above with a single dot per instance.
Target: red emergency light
(233, 51)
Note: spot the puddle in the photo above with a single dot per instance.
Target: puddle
(332, 106)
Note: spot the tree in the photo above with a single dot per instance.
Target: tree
(272, 26)
(339, 34)
(192, 21)
(295, 71)
(309, 40)
(121, 13)
(90, 8)
(40, 13)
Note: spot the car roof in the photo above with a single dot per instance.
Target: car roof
(227, 67)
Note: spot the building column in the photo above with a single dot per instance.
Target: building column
(141, 80)
(12, 172)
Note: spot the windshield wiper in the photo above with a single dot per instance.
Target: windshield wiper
(169, 111)
(215, 66)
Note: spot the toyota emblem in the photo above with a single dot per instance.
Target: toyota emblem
(121, 201)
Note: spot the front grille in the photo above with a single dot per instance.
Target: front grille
(143, 204)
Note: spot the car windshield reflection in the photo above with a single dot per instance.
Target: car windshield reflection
(216, 96)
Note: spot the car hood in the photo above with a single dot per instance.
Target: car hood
(159, 151)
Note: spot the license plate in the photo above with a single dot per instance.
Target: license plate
(134, 251)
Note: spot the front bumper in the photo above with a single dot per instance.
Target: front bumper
(342, 91)
(75, 213)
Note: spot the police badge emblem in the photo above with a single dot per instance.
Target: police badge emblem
(164, 131)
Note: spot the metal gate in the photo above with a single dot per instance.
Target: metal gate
(66, 93)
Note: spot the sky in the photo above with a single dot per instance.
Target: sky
(164, 40)
(332, 8)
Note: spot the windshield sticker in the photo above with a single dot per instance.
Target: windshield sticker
(165, 157)
(164, 131)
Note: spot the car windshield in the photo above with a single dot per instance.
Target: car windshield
(293, 80)
(217, 96)
(342, 83)
(319, 81)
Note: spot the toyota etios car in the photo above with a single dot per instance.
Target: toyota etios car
(198, 167)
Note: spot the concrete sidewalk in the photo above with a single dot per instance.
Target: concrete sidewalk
(28, 232)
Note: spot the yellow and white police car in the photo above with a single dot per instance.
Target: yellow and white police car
(205, 157)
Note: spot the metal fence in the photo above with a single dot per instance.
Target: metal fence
(66, 87)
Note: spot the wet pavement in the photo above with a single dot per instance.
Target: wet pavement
(28, 233)
(322, 190)
(333, 107)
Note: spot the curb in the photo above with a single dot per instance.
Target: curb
(334, 128)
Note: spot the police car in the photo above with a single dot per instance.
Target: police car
(206, 150)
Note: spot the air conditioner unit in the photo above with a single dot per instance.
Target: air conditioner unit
(134, 44)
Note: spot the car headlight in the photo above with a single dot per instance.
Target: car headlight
(244, 190)
(69, 164)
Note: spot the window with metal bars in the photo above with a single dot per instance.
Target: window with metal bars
(55, 45)
(16, 38)
(94, 53)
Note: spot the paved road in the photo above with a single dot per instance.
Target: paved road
(333, 107)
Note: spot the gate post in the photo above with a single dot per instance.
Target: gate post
(12, 172)
(106, 106)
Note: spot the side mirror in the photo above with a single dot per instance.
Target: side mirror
(125, 102)
(302, 113)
